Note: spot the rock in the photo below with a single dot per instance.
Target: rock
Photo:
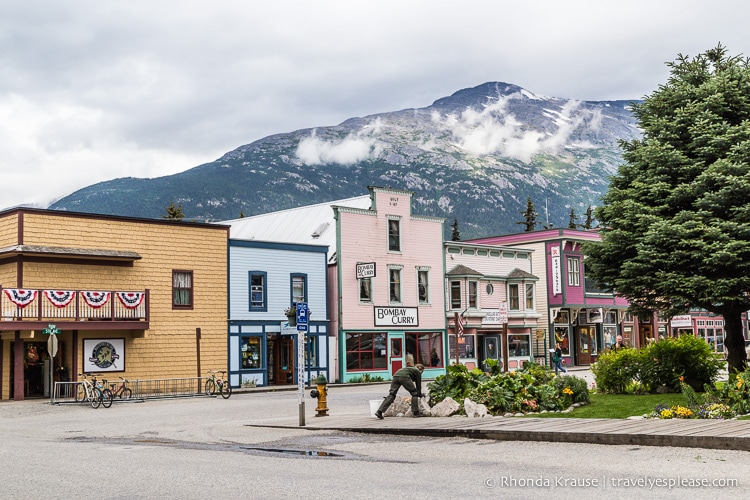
(445, 408)
(474, 410)
(401, 407)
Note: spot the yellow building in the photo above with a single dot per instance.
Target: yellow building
(142, 298)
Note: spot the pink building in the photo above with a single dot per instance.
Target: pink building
(386, 285)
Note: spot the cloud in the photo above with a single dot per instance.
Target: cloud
(352, 149)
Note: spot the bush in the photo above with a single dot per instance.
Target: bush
(666, 362)
(615, 371)
(736, 393)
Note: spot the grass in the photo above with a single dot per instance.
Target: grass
(617, 406)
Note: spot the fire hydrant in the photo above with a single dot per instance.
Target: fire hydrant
(321, 392)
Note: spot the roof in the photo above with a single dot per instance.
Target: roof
(520, 274)
(311, 224)
(461, 270)
(65, 252)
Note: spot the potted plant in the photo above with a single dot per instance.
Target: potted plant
(291, 315)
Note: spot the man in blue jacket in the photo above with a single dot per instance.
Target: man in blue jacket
(410, 378)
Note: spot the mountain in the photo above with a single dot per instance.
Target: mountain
(474, 156)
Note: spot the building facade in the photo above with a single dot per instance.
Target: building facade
(388, 300)
(267, 279)
(137, 297)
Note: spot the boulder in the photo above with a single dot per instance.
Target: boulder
(474, 410)
(445, 408)
(401, 407)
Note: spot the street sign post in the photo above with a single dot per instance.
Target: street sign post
(52, 331)
(303, 314)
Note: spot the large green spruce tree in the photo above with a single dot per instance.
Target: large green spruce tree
(676, 219)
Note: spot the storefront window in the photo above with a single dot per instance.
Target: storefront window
(312, 351)
(366, 351)
(610, 336)
(465, 346)
(563, 337)
(518, 345)
(427, 348)
(250, 347)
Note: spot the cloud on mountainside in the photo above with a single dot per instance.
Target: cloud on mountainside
(478, 132)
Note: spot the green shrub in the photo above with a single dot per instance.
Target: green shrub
(616, 371)
(664, 362)
(736, 393)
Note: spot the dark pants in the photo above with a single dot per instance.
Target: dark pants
(408, 384)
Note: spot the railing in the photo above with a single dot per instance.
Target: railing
(65, 392)
(29, 304)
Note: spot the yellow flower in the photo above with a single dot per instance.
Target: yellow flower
(665, 413)
(682, 379)
(567, 391)
(739, 382)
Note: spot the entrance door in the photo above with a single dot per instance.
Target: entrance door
(491, 344)
(397, 354)
(281, 361)
(585, 336)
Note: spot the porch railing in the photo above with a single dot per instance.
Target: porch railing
(30, 304)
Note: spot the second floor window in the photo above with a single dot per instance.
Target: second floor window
(394, 235)
(298, 288)
(182, 289)
(473, 288)
(423, 286)
(394, 278)
(365, 289)
(455, 295)
(574, 271)
(513, 298)
(529, 296)
(257, 290)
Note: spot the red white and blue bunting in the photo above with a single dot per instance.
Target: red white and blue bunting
(60, 298)
(21, 297)
(95, 299)
(131, 300)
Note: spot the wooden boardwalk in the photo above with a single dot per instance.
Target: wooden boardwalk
(713, 434)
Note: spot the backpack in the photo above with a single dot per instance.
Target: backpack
(555, 358)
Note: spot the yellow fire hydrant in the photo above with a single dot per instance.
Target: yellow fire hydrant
(320, 393)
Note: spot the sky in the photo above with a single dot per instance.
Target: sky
(95, 90)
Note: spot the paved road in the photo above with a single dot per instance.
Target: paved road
(204, 448)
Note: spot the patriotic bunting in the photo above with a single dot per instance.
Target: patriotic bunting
(59, 298)
(95, 299)
(131, 300)
(21, 297)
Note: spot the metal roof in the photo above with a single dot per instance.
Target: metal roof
(311, 224)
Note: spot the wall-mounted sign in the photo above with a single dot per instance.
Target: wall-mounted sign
(556, 271)
(681, 321)
(491, 317)
(365, 270)
(396, 316)
(103, 355)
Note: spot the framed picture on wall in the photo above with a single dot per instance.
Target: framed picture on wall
(103, 355)
(563, 317)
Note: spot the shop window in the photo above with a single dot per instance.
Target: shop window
(423, 286)
(465, 346)
(610, 336)
(182, 289)
(257, 280)
(394, 235)
(513, 298)
(365, 290)
(311, 354)
(365, 351)
(427, 348)
(251, 352)
(394, 285)
(518, 345)
(562, 336)
(574, 271)
(299, 288)
(455, 295)
(473, 287)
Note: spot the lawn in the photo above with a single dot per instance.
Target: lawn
(617, 406)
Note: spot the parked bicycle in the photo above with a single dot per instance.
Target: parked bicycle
(93, 391)
(216, 384)
(122, 391)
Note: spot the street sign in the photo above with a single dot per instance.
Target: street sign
(52, 345)
(503, 313)
(302, 316)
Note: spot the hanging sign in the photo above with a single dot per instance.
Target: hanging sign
(365, 270)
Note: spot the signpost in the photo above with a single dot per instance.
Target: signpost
(303, 314)
(503, 317)
(52, 331)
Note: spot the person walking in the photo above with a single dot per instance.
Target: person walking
(557, 359)
(410, 378)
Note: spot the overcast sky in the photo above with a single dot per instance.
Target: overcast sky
(93, 90)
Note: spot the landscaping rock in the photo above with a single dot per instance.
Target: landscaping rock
(474, 410)
(445, 408)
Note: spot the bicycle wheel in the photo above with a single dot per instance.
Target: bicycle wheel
(107, 398)
(126, 393)
(96, 397)
(226, 390)
(80, 393)
(210, 387)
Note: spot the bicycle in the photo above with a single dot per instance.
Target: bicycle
(123, 391)
(214, 383)
(94, 392)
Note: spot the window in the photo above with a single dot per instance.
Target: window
(251, 352)
(182, 289)
(518, 345)
(365, 351)
(365, 290)
(473, 287)
(257, 280)
(311, 355)
(513, 297)
(394, 283)
(455, 295)
(427, 348)
(465, 346)
(394, 235)
(529, 296)
(574, 271)
(423, 286)
(490, 289)
(299, 288)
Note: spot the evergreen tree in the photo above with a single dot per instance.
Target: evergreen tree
(676, 218)
(529, 216)
(455, 235)
(174, 212)
(589, 222)
(573, 224)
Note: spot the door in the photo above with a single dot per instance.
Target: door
(281, 357)
(397, 354)
(585, 336)
(491, 344)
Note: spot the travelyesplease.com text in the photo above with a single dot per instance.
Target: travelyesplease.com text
(612, 482)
